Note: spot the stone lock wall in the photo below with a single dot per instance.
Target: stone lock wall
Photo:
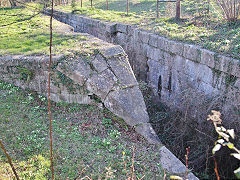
(31, 72)
(168, 66)
(106, 74)
(103, 73)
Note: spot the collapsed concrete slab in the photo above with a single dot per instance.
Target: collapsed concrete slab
(103, 72)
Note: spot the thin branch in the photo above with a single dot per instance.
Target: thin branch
(205, 134)
(9, 159)
(125, 164)
(207, 159)
(49, 99)
(186, 156)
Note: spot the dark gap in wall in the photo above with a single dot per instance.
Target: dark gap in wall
(159, 86)
(95, 98)
(170, 83)
(147, 71)
(114, 34)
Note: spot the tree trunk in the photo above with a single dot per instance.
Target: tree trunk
(178, 10)
(13, 3)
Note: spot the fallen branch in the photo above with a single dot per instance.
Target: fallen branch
(9, 159)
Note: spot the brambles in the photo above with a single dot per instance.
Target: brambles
(186, 127)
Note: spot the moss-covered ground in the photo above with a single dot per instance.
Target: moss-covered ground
(87, 139)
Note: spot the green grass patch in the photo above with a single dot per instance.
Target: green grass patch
(86, 139)
(32, 35)
(21, 35)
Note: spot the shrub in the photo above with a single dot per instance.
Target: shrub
(230, 9)
(225, 135)
(36, 167)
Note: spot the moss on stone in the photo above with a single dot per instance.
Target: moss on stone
(230, 80)
(216, 76)
(217, 61)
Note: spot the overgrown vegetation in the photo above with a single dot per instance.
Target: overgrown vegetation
(189, 128)
(226, 136)
(87, 140)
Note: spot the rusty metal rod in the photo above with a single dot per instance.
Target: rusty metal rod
(49, 99)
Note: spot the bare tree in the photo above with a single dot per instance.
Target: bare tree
(230, 8)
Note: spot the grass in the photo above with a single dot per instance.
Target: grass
(84, 136)
(210, 32)
(32, 36)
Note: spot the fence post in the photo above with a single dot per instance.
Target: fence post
(127, 6)
(107, 4)
(81, 3)
(178, 9)
(157, 8)
(91, 3)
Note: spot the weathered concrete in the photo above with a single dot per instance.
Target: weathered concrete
(174, 166)
(105, 73)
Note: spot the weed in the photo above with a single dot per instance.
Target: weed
(42, 98)
(225, 135)
(107, 122)
(114, 134)
(37, 167)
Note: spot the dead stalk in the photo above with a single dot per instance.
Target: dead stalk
(186, 156)
(215, 169)
(133, 170)
(9, 159)
(164, 174)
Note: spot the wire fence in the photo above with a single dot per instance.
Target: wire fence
(156, 8)
(138, 7)
(151, 8)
